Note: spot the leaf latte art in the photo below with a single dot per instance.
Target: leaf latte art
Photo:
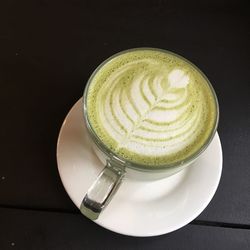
(151, 107)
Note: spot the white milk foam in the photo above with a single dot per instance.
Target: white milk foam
(148, 108)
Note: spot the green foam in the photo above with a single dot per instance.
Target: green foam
(199, 91)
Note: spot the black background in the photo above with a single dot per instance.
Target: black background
(48, 49)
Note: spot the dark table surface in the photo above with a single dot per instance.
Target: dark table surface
(48, 49)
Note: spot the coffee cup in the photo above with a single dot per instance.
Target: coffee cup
(149, 114)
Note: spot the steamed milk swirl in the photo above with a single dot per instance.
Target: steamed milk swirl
(151, 107)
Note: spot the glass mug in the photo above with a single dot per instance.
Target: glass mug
(108, 181)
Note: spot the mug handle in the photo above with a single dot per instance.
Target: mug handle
(102, 190)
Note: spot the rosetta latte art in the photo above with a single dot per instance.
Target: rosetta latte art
(146, 109)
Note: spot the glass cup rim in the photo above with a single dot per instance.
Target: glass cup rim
(137, 166)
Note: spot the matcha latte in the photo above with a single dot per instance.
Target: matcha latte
(151, 107)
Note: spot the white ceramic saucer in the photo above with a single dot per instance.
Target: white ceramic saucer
(139, 208)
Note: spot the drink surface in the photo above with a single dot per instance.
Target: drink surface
(151, 107)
